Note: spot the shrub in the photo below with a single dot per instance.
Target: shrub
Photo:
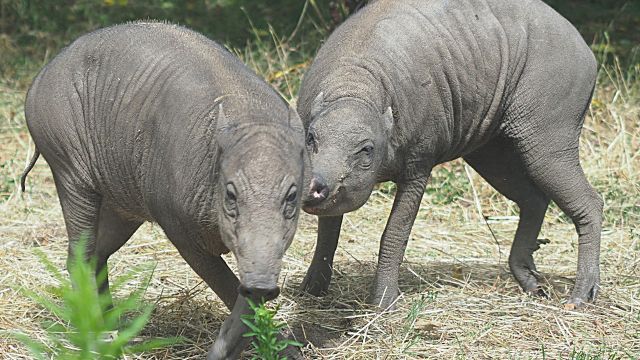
(265, 331)
(88, 325)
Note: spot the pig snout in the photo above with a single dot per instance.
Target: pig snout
(318, 191)
(258, 293)
(259, 275)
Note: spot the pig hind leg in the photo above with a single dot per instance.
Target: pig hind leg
(81, 209)
(546, 139)
(501, 167)
(113, 231)
(88, 217)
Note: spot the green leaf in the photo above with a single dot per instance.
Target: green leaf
(36, 349)
(154, 344)
(133, 329)
(265, 331)
(86, 323)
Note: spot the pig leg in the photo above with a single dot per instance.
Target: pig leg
(211, 268)
(217, 274)
(230, 342)
(509, 177)
(394, 241)
(80, 209)
(549, 152)
(113, 232)
(87, 215)
(221, 279)
(318, 277)
(565, 182)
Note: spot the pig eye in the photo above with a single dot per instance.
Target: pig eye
(230, 201)
(365, 156)
(291, 202)
(292, 197)
(367, 150)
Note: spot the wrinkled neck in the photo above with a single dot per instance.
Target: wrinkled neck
(357, 80)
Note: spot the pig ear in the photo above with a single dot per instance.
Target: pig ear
(223, 126)
(387, 118)
(294, 120)
(317, 105)
(222, 123)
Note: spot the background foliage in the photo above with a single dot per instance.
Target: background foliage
(36, 29)
(33, 29)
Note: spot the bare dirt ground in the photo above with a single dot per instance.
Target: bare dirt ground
(458, 298)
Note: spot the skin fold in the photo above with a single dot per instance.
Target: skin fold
(405, 85)
(154, 122)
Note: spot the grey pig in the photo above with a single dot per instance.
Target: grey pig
(405, 85)
(154, 122)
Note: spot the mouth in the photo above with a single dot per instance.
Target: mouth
(259, 294)
(312, 207)
(311, 210)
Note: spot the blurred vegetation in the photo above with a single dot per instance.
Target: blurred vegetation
(32, 31)
(90, 325)
(35, 30)
(610, 23)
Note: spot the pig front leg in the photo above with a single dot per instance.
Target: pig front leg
(217, 274)
(230, 342)
(221, 279)
(394, 242)
(318, 277)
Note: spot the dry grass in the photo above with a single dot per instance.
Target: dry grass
(458, 298)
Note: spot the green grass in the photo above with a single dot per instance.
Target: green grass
(88, 325)
(603, 353)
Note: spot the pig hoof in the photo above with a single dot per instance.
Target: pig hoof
(384, 300)
(291, 352)
(538, 292)
(528, 280)
(585, 290)
(575, 302)
(316, 283)
(524, 270)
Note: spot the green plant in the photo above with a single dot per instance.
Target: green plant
(265, 330)
(603, 353)
(447, 184)
(88, 325)
(414, 312)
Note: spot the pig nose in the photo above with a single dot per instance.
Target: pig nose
(258, 294)
(318, 191)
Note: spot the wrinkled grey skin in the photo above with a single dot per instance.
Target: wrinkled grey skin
(153, 122)
(405, 85)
